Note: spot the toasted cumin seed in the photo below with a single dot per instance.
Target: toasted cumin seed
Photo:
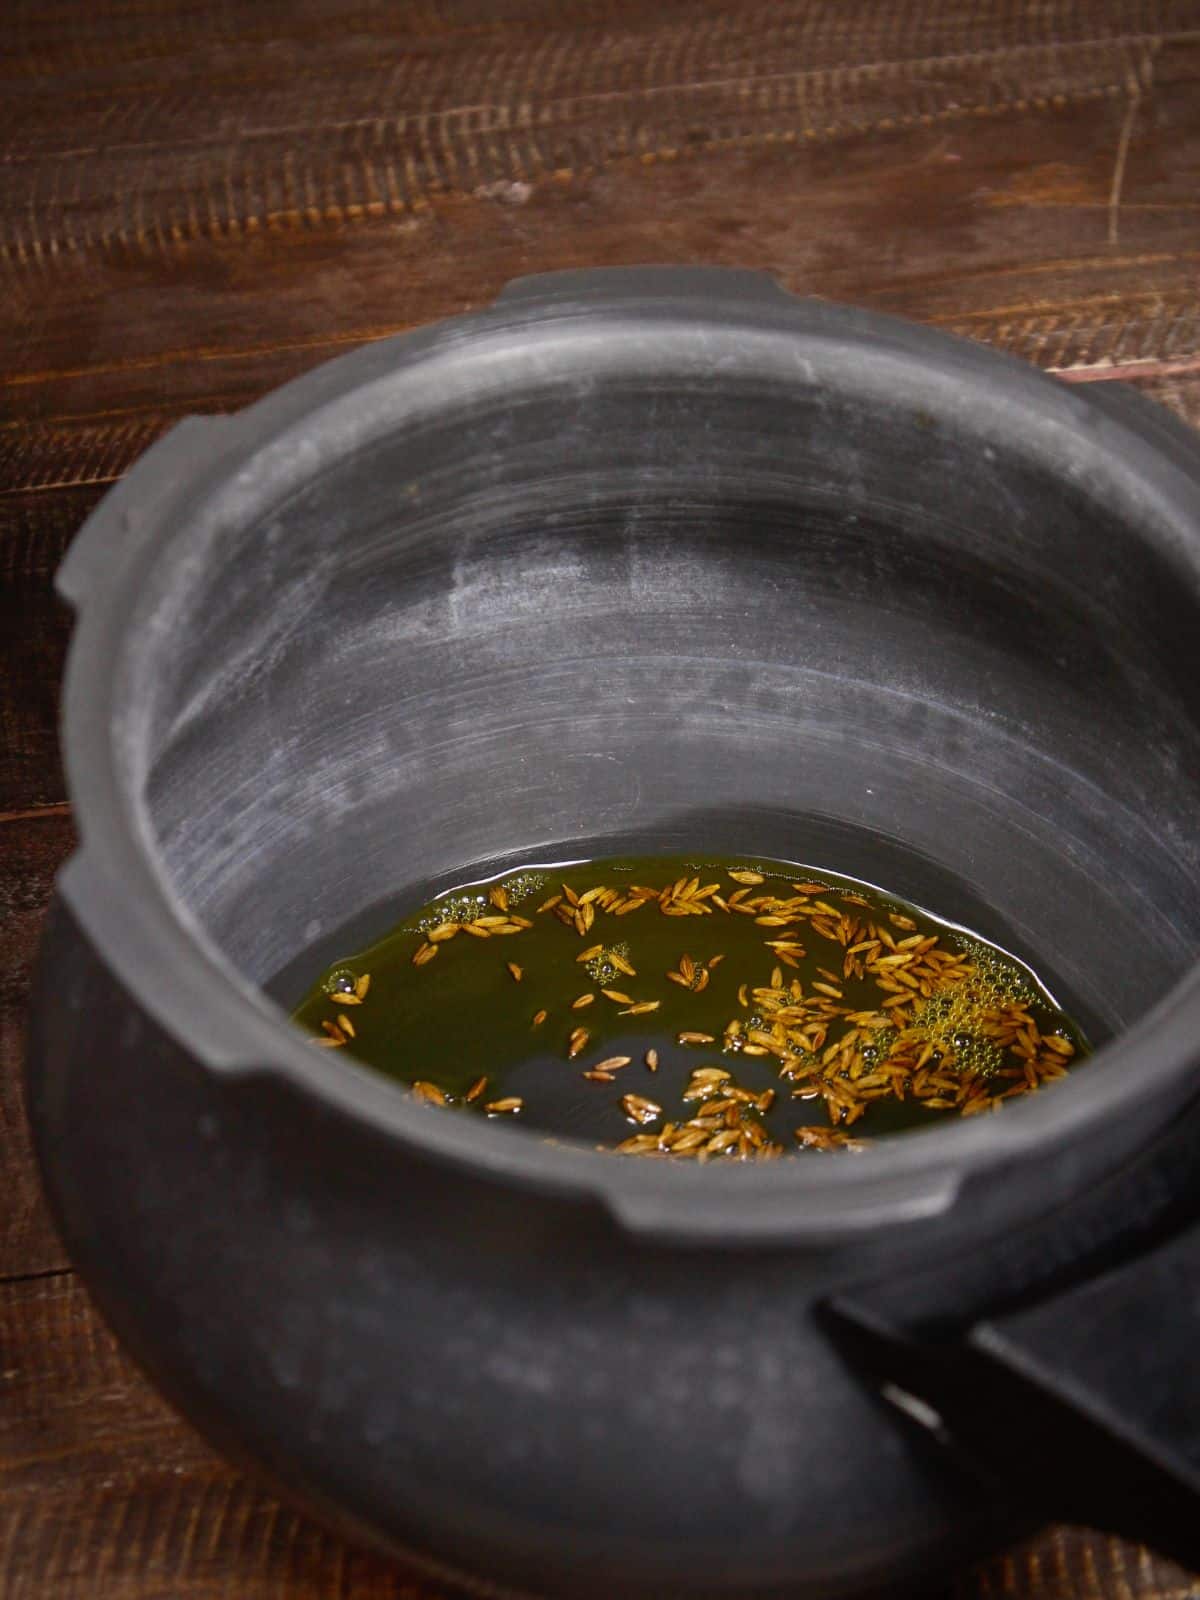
(429, 1093)
(597, 1075)
(424, 954)
(591, 953)
(498, 895)
(612, 1063)
(652, 1060)
(339, 999)
(722, 1141)
(361, 987)
(507, 1107)
(334, 1032)
(577, 1042)
(690, 1037)
(829, 989)
(549, 905)
(688, 1139)
(621, 964)
(476, 931)
(746, 876)
(638, 1109)
(329, 1044)
(346, 1026)
(539, 1017)
(617, 997)
(446, 930)
(641, 1007)
(516, 971)
(476, 1089)
(582, 1000)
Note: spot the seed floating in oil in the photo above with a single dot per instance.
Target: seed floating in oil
(830, 998)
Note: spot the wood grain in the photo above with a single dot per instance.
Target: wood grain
(995, 226)
(33, 639)
(32, 847)
(197, 204)
(389, 122)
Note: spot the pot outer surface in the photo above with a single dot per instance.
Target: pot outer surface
(629, 560)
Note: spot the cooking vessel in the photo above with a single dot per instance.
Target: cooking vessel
(647, 559)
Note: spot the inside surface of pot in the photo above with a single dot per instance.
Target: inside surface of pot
(561, 588)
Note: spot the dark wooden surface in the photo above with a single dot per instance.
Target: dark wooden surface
(199, 202)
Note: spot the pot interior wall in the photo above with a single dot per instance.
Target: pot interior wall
(741, 612)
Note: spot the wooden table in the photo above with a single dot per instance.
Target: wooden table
(199, 202)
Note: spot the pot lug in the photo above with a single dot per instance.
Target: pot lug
(724, 285)
(129, 514)
(1076, 1396)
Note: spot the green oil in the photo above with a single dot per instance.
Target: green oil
(490, 981)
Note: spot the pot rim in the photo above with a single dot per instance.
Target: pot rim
(118, 887)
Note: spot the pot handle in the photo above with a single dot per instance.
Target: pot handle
(590, 284)
(126, 518)
(1084, 1406)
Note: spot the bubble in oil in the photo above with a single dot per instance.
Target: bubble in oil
(340, 981)
(525, 989)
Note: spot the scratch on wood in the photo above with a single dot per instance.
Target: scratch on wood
(1118, 177)
(31, 813)
(1105, 371)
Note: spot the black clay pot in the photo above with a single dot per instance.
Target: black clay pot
(661, 558)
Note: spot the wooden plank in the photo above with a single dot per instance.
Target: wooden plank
(31, 849)
(1077, 1564)
(374, 122)
(994, 220)
(34, 627)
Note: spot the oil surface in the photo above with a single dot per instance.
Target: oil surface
(694, 1006)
